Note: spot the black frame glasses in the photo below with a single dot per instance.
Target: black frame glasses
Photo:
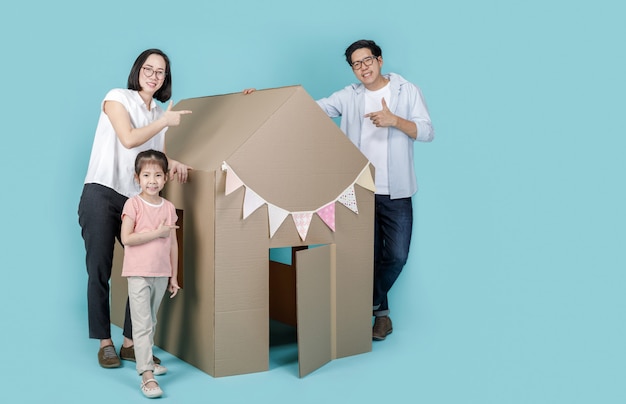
(367, 61)
(149, 72)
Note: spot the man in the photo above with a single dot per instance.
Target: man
(383, 116)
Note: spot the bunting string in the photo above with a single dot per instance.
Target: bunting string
(301, 219)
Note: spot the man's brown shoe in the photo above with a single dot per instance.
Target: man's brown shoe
(382, 328)
(107, 358)
(128, 354)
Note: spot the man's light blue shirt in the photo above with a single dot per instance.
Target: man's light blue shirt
(406, 102)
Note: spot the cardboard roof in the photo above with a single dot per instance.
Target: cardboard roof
(278, 141)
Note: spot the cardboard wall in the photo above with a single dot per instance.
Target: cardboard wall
(242, 294)
(186, 322)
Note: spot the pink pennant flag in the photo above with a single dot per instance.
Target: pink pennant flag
(276, 217)
(348, 199)
(327, 214)
(302, 221)
(232, 181)
(365, 179)
(251, 202)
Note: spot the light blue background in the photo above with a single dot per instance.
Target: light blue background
(514, 290)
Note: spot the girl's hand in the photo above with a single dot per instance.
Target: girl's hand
(173, 287)
(165, 230)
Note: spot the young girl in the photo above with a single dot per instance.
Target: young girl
(150, 260)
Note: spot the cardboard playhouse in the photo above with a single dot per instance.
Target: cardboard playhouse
(270, 170)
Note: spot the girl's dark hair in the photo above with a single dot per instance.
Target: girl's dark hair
(165, 92)
(151, 157)
(363, 43)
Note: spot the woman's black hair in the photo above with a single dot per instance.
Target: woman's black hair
(165, 92)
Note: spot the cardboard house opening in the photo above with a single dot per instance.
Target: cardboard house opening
(270, 170)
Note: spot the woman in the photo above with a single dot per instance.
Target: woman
(130, 122)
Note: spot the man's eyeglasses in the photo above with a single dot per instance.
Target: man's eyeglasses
(148, 72)
(366, 61)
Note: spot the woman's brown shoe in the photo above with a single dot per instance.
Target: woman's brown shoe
(128, 354)
(107, 358)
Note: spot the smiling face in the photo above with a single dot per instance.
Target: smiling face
(368, 75)
(151, 179)
(151, 74)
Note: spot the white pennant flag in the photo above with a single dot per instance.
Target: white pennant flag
(233, 182)
(276, 217)
(365, 179)
(302, 221)
(251, 202)
(348, 199)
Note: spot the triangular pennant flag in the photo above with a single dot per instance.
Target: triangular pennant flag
(365, 179)
(302, 221)
(232, 181)
(276, 217)
(251, 202)
(348, 199)
(327, 214)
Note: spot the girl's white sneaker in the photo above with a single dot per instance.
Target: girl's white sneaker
(159, 370)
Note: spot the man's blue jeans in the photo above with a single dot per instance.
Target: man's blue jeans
(393, 225)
